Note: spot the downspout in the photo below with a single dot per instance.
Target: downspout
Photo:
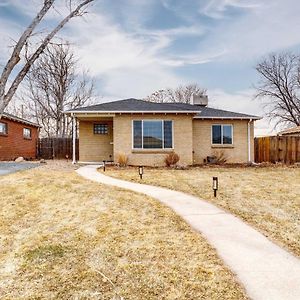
(249, 141)
(74, 138)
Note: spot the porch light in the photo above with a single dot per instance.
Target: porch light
(215, 185)
(104, 166)
(141, 171)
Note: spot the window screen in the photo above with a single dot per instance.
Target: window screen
(227, 134)
(168, 134)
(137, 134)
(217, 134)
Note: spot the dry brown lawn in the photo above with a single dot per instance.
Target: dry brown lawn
(268, 198)
(63, 237)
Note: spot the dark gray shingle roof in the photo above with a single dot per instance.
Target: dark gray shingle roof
(128, 105)
(210, 113)
(136, 105)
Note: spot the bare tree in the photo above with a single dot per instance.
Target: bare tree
(180, 94)
(54, 85)
(279, 87)
(7, 91)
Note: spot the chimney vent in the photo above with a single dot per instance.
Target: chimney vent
(201, 100)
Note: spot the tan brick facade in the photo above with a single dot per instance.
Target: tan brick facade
(192, 140)
(95, 147)
(237, 153)
(182, 134)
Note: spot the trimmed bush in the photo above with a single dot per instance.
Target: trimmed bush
(172, 159)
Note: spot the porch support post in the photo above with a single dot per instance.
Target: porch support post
(74, 138)
(249, 141)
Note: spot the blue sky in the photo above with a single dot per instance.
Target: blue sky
(134, 47)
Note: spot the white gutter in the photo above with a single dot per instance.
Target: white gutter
(229, 118)
(135, 112)
(160, 112)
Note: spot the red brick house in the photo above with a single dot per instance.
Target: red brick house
(18, 137)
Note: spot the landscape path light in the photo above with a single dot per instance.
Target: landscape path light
(215, 185)
(141, 171)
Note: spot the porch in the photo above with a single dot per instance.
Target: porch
(95, 134)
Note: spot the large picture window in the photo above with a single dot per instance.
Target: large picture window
(3, 128)
(152, 134)
(222, 134)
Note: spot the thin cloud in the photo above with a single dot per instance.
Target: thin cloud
(218, 8)
(192, 59)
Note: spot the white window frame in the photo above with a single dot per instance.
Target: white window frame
(222, 134)
(163, 136)
(25, 136)
(6, 128)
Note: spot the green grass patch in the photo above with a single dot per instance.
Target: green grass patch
(44, 253)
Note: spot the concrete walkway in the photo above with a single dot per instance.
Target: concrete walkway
(266, 271)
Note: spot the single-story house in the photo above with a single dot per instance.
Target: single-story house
(146, 131)
(18, 137)
(294, 131)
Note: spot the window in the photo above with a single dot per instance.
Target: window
(3, 128)
(222, 134)
(152, 134)
(100, 129)
(27, 133)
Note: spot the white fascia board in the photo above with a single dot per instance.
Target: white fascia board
(21, 121)
(229, 118)
(134, 112)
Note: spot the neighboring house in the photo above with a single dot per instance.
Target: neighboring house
(295, 131)
(18, 137)
(145, 132)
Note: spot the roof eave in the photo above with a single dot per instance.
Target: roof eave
(133, 112)
(229, 118)
(20, 121)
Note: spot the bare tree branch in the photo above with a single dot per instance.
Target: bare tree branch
(53, 85)
(180, 94)
(279, 87)
(5, 98)
(15, 56)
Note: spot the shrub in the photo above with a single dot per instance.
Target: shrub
(172, 159)
(220, 157)
(122, 159)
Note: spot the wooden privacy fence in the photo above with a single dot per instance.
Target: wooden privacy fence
(59, 148)
(285, 149)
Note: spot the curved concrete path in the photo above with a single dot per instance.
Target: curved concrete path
(267, 271)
